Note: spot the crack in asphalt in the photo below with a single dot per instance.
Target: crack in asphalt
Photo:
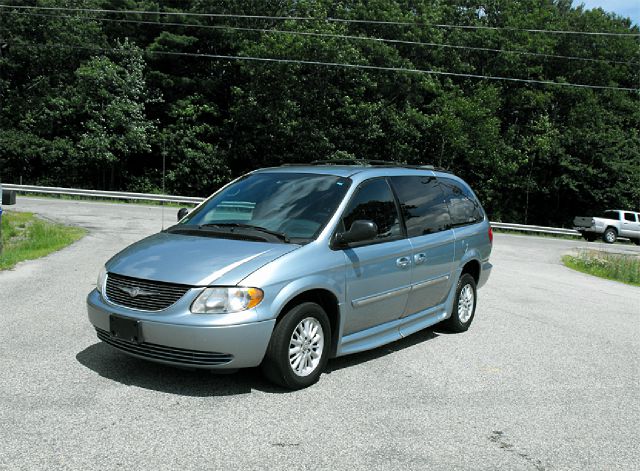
(497, 437)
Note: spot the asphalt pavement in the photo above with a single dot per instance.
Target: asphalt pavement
(547, 378)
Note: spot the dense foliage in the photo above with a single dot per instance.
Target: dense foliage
(97, 103)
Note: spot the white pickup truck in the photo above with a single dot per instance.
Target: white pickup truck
(613, 224)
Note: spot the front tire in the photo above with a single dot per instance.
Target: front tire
(299, 347)
(464, 307)
(610, 235)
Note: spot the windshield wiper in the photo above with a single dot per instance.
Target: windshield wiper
(280, 235)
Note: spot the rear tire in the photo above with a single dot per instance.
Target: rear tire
(464, 307)
(299, 347)
(610, 235)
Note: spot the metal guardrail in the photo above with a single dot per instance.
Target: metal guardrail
(102, 194)
(538, 229)
(194, 200)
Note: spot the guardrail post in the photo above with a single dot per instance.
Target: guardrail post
(7, 197)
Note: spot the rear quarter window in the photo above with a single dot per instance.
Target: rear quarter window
(463, 206)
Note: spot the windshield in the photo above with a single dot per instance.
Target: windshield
(295, 205)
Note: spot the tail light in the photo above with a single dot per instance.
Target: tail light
(490, 234)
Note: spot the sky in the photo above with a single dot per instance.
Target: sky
(630, 8)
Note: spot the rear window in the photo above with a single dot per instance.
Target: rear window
(611, 215)
(464, 208)
(423, 204)
(630, 217)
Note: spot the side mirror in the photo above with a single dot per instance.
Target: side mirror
(182, 212)
(360, 230)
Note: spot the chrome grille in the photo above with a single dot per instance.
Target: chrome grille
(153, 351)
(145, 295)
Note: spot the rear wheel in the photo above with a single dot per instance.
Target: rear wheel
(610, 235)
(464, 307)
(299, 347)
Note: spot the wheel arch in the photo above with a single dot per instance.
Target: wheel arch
(473, 268)
(325, 299)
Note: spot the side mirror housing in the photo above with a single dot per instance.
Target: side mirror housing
(182, 212)
(359, 231)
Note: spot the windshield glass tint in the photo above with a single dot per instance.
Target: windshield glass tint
(296, 204)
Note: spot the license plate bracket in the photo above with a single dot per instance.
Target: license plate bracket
(125, 329)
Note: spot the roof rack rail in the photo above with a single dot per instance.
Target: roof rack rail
(367, 163)
(355, 161)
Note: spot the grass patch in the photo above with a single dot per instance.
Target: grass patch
(617, 267)
(25, 237)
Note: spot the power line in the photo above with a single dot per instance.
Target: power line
(335, 64)
(332, 35)
(328, 19)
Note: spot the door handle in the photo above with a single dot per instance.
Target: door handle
(403, 262)
(419, 258)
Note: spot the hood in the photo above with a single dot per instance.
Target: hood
(194, 260)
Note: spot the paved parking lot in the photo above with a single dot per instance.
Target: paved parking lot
(548, 377)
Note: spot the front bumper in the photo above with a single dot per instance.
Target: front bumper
(181, 344)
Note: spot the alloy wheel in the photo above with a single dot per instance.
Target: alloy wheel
(465, 304)
(306, 346)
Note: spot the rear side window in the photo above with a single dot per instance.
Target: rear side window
(464, 208)
(374, 201)
(423, 204)
(630, 217)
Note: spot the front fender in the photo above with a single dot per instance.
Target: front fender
(308, 283)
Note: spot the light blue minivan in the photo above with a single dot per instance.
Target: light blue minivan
(287, 267)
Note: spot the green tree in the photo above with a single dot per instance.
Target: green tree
(110, 99)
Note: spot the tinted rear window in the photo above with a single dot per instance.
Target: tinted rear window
(464, 208)
(423, 204)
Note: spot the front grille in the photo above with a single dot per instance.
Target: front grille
(145, 295)
(152, 351)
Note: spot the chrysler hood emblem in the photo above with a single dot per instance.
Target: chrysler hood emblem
(135, 292)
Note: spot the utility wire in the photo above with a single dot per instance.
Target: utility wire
(334, 64)
(328, 19)
(332, 35)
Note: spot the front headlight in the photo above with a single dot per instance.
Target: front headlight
(224, 300)
(102, 276)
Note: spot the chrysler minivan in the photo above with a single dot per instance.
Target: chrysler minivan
(287, 267)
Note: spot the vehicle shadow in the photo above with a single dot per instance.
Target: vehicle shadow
(116, 366)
